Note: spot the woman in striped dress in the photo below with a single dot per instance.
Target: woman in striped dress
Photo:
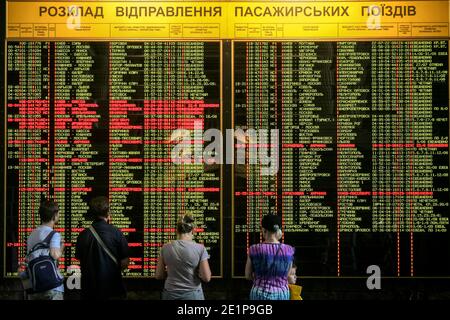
(269, 263)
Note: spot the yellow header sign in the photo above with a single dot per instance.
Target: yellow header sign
(227, 20)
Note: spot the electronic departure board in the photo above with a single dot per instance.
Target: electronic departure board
(363, 148)
(338, 112)
(96, 118)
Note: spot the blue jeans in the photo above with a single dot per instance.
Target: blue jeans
(47, 295)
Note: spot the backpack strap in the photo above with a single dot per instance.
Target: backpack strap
(44, 244)
(102, 244)
(49, 237)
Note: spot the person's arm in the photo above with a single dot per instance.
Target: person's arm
(123, 252)
(160, 272)
(56, 253)
(124, 263)
(248, 269)
(204, 271)
(56, 246)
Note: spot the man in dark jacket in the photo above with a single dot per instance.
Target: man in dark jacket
(103, 253)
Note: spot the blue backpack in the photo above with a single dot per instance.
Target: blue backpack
(43, 271)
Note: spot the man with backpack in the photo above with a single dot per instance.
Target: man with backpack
(103, 253)
(44, 248)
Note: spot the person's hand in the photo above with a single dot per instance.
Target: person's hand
(21, 268)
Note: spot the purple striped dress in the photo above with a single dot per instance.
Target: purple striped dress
(271, 263)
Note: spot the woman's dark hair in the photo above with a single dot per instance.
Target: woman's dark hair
(48, 210)
(271, 223)
(100, 207)
(185, 224)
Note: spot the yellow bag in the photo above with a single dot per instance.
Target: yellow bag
(295, 291)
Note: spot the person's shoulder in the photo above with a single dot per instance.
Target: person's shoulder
(34, 232)
(42, 232)
(115, 232)
(255, 247)
(110, 228)
(289, 248)
(56, 234)
(83, 234)
(114, 228)
(199, 246)
(166, 245)
(33, 237)
(45, 232)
